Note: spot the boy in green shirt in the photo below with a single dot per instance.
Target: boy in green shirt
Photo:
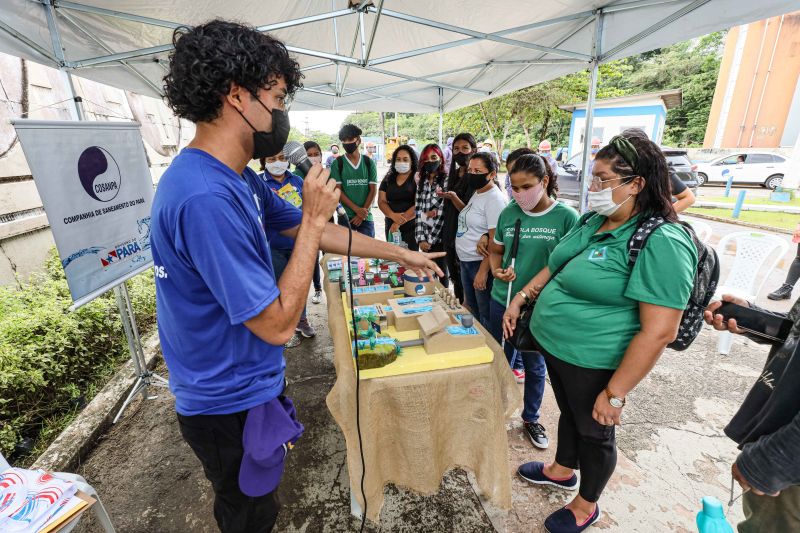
(357, 177)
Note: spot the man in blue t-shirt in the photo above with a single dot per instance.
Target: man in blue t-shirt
(223, 314)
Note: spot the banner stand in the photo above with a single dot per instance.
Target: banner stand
(144, 377)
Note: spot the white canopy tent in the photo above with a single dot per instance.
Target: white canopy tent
(378, 55)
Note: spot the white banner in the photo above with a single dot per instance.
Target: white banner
(96, 189)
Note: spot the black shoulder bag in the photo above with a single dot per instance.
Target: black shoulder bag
(522, 339)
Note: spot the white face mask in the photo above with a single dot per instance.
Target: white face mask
(278, 168)
(402, 168)
(315, 159)
(602, 202)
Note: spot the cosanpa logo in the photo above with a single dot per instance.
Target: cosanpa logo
(99, 174)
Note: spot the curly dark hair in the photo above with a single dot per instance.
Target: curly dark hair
(209, 57)
(537, 166)
(349, 131)
(655, 198)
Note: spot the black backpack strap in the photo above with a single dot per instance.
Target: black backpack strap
(340, 165)
(644, 229)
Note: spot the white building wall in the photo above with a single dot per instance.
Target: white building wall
(613, 125)
(30, 90)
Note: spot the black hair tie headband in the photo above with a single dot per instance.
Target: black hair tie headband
(624, 148)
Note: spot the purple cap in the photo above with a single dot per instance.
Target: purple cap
(270, 430)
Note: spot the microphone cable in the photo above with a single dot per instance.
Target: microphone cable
(340, 211)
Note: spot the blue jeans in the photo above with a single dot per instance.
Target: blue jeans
(476, 300)
(280, 258)
(365, 228)
(531, 362)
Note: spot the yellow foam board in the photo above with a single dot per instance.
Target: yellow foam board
(415, 359)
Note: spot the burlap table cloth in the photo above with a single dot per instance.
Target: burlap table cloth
(416, 427)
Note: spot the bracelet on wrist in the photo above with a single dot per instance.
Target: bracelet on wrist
(525, 297)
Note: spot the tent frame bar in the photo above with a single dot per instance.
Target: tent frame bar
(26, 41)
(588, 131)
(75, 6)
(666, 21)
(496, 37)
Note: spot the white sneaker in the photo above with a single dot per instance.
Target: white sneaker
(317, 298)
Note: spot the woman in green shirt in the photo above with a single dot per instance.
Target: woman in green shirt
(543, 223)
(601, 323)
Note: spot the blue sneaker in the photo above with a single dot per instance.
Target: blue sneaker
(563, 521)
(534, 473)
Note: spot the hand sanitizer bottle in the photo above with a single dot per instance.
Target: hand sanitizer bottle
(711, 519)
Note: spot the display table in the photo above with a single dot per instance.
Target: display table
(415, 427)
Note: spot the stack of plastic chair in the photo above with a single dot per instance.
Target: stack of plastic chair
(99, 511)
(702, 229)
(757, 254)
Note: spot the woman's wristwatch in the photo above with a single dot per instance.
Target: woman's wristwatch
(524, 296)
(616, 402)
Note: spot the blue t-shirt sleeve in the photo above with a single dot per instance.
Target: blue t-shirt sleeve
(279, 215)
(221, 241)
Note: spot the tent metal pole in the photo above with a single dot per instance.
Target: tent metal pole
(74, 6)
(424, 80)
(58, 51)
(441, 115)
(588, 129)
(474, 80)
(403, 82)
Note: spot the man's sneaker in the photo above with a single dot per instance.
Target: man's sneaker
(536, 433)
(294, 341)
(784, 292)
(534, 473)
(519, 375)
(564, 521)
(317, 298)
(305, 329)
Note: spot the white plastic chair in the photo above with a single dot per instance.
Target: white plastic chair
(702, 229)
(757, 254)
(99, 511)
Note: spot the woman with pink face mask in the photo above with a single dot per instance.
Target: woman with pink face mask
(543, 222)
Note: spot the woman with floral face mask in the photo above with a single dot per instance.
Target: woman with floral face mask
(543, 223)
(602, 321)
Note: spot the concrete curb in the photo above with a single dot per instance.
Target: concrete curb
(749, 207)
(739, 223)
(77, 439)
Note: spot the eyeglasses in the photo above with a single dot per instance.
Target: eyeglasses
(597, 184)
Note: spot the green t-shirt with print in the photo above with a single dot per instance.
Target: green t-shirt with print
(589, 313)
(539, 233)
(355, 182)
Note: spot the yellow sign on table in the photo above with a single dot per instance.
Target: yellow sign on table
(414, 358)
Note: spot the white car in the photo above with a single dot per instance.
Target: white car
(753, 169)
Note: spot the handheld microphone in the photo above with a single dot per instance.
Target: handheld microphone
(295, 153)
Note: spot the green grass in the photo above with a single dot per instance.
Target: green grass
(752, 200)
(776, 220)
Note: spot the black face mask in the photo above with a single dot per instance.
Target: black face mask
(430, 167)
(476, 181)
(350, 147)
(270, 143)
(461, 159)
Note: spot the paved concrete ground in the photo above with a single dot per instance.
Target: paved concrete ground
(672, 452)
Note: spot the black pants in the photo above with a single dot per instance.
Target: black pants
(442, 262)
(794, 270)
(583, 443)
(407, 233)
(454, 267)
(217, 441)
